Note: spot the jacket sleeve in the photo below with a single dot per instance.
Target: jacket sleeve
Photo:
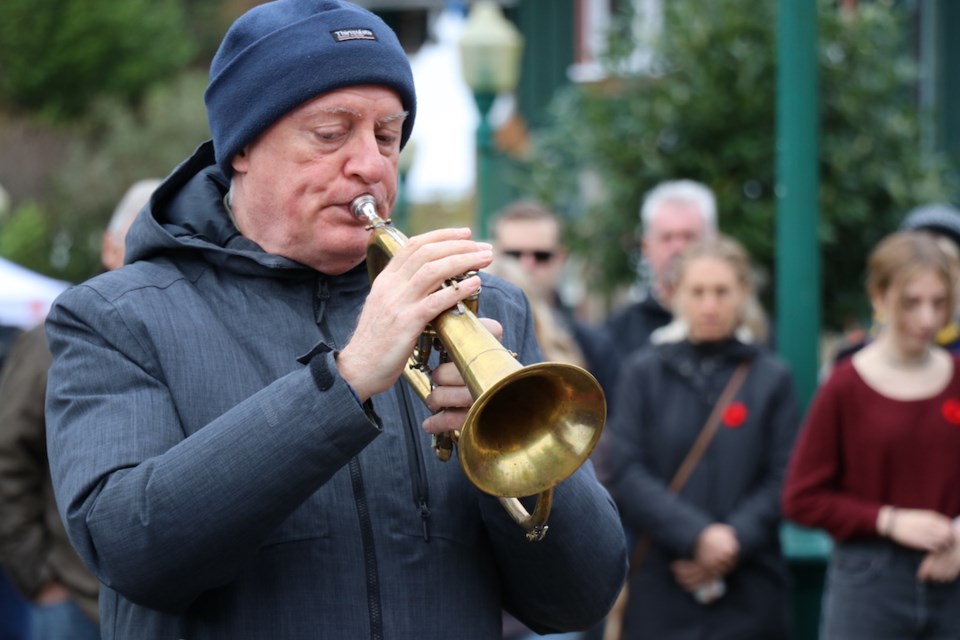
(24, 540)
(158, 515)
(757, 516)
(570, 579)
(646, 504)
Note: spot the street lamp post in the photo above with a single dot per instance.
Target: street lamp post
(490, 57)
(400, 214)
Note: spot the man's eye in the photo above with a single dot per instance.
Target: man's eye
(328, 135)
(388, 139)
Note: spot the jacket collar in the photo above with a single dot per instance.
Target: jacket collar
(694, 360)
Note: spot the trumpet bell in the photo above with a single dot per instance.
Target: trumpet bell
(531, 429)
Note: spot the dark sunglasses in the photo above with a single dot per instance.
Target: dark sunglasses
(540, 257)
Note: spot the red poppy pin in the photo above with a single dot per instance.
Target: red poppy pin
(736, 414)
(951, 410)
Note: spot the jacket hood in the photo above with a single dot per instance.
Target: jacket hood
(187, 214)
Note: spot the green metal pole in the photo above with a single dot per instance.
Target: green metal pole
(948, 103)
(486, 179)
(798, 266)
(798, 254)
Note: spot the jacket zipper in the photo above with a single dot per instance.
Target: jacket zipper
(418, 471)
(369, 551)
(320, 304)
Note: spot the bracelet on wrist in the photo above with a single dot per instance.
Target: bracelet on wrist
(891, 519)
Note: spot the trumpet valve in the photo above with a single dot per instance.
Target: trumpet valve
(442, 446)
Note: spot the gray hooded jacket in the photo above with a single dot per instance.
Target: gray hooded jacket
(223, 482)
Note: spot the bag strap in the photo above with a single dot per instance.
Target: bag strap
(699, 447)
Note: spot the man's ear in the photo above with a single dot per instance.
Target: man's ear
(240, 162)
(111, 256)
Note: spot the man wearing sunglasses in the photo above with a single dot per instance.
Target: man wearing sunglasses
(528, 233)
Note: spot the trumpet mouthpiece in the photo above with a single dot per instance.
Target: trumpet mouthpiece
(364, 207)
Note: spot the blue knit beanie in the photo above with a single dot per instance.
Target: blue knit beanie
(281, 54)
(937, 218)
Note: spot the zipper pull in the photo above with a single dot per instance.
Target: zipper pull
(320, 299)
(425, 517)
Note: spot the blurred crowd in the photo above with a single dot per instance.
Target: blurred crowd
(706, 450)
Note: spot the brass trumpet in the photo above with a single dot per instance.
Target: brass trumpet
(529, 428)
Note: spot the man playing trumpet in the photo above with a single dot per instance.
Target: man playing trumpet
(232, 452)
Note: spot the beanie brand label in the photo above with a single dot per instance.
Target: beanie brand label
(343, 35)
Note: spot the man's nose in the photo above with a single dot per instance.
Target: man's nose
(677, 246)
(528, 261)
(365, 160)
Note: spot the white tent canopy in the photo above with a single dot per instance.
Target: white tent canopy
(25, 296)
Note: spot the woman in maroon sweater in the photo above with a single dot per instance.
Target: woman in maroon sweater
(877, 464)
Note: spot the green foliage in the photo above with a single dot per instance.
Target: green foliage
(27, 238)
(706, 110)
(61, 237)
(58, 56)
(207, 22)
(872, 167)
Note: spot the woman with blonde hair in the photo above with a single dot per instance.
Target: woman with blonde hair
(878, 462)
(694, 454)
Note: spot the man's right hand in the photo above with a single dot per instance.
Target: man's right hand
(403, 299)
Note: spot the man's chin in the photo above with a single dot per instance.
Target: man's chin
(335, 261)
(338, 267)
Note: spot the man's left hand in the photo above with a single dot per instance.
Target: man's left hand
(450, 399)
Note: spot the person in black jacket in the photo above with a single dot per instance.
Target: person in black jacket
(674, 215)
(713, 569)
(231, 445)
